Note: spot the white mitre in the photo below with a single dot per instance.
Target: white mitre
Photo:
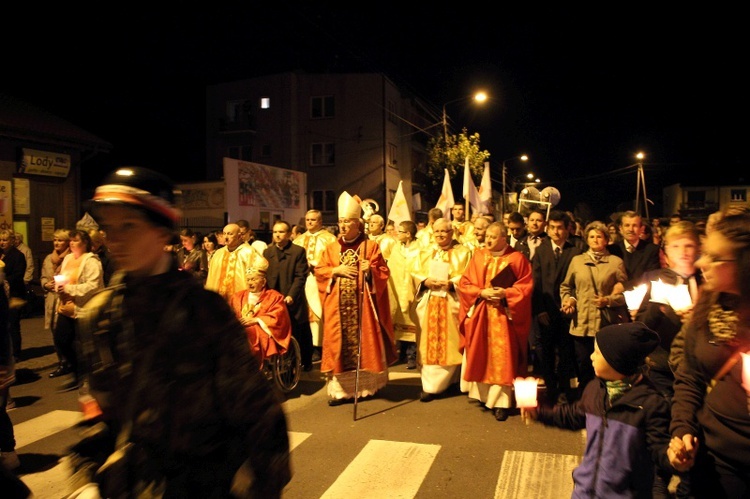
(349, 206)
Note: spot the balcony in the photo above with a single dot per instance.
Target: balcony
(244, 123)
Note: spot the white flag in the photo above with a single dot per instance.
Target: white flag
(446, 202)
(400, 208)
(470, 190)
(485, 189)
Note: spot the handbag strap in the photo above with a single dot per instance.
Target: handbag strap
(593, 281)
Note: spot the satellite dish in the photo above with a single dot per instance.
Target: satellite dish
(529, 193)
(550, 195)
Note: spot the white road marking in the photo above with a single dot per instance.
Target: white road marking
(529, 475)
(384, 469)
(43, 426)
(296, 438)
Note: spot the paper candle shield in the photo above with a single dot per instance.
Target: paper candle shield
(525, 389)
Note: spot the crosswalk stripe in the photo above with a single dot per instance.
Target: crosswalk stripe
(296, 438)
(43, 426)
(384, 469)
(528, 475)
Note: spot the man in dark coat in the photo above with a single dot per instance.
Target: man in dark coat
(287, 271)
(555, 351)
(15, 268)
(639, 256)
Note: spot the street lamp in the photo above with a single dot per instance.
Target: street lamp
(523, 157)
(479, 97)
(641, 183)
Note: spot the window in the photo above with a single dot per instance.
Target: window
(244, 153)
(322, 154)
(265, 103)
(324, 201)
(392, 112)
(392, 155)
(321, 107)
(234, 110)
(739, 195)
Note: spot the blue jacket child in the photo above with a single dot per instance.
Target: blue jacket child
(625, 417)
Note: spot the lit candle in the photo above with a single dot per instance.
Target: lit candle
(659, 292)
(746, 371)
(634, 297)
(746, 376)
(525, 389)
(60, 281)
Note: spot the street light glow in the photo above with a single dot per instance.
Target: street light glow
(640, 155)
(479, 97)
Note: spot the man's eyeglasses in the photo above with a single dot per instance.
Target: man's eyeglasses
(709, 258)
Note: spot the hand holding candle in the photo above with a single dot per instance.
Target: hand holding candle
(60, 281)
(525, 389)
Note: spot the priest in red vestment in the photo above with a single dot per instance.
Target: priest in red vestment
(495, 317)
(352, 278)
(264, 314)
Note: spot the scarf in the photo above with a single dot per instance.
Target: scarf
(618, 388)
(723, 322)
(596, 255)
(57, 258)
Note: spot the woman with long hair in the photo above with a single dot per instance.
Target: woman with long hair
(711, 405)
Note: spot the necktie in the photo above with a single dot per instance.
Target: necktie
(557, 253)
(630, 248)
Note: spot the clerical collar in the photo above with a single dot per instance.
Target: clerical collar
(350, 241)
(501, 252)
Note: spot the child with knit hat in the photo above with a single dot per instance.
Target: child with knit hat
(625, 416)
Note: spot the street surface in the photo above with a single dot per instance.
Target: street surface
(398, 447)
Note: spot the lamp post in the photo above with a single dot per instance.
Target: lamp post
(523, 157)
(479, 97)
(641, 182)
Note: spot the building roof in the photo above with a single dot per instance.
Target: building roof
(20, 120)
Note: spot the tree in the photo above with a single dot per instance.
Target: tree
(452, 154)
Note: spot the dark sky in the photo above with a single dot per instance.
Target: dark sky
(579, 90)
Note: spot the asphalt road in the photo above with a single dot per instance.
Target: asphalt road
(396, 447)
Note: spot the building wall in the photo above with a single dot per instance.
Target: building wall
(360, 130)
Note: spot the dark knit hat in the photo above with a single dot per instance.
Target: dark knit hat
(625, 346)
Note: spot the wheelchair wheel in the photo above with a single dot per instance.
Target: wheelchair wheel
(286, 367)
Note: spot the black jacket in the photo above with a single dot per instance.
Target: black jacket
(15, 268)
(548, 274)
(181, 369)
(287, 272)
(644, 258)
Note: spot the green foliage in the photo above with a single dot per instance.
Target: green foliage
(452, 154)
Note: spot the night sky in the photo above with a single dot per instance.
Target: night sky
(578, 90)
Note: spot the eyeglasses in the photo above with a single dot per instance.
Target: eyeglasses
(712, 259)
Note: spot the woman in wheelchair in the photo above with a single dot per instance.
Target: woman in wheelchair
(264, 314)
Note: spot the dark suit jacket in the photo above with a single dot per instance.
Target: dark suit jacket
(644, 258)
(548, 275)
(287, 271)
(522, 244)
(15, 268)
